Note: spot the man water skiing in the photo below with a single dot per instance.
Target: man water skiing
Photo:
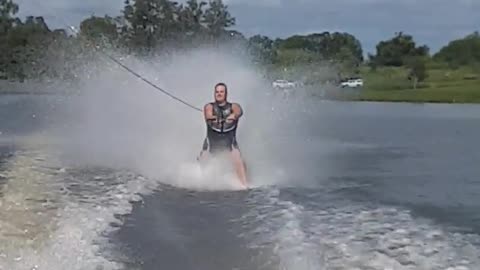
(222, 119)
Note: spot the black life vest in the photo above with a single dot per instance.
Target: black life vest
(221, 113)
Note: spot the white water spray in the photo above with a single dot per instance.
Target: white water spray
(122, 122)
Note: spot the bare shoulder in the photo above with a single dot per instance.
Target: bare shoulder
(207, 106)
(236, 105)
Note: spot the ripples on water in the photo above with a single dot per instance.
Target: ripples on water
(348, 236)
(55, 217)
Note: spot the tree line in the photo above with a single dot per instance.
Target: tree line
(30, 49)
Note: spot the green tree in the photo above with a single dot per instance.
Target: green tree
(152, 24)
(417, 70)
(25, 43)
(141, 24)
(395, 51)
(262, 49)
(168, 28)
(190, 18)
(297, 42)
(338, 47)
(8, 9)
(99, 30)
(217, 18)
(293, 57)
(460, 52)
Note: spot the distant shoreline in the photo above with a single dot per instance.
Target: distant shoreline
(415, 101)
(31, 88)
(457, 95)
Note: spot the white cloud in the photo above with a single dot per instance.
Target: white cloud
(67, 5)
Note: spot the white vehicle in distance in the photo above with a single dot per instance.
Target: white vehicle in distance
(352, 82)
(283, 84)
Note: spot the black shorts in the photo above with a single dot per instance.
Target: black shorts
(216, 144)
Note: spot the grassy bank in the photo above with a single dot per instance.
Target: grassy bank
(443, 85)
(433, 95)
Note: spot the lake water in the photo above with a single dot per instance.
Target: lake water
(365, 186)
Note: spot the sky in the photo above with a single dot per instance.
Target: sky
(431, 22)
